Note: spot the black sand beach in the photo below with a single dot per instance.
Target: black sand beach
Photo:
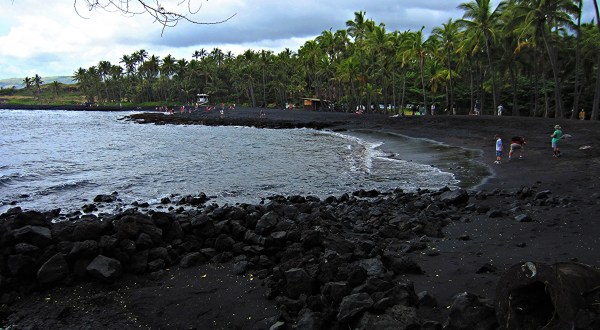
(537, 209)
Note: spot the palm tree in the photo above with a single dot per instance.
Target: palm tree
(541, 16)
(448, 35)
(27, 82)
(217, 55)
(379, 48)
(149, 71)
(248, 73)
(283, 87)
(185, 75)
(357, 28)
(264, 61)
(116, 76)
(104, 72)
(55, 88)
(577, 84)
(168, 66)
(167, 70)
(510, 50)
(199, 54)
(93, 80)
(85, 80)
(138, 58)
(402, 59)
(481, 23)
(37, 81)
(418, 49)
(129, 63)
(348, 72)
(311, 55)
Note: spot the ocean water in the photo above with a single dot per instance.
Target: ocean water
(63, 159)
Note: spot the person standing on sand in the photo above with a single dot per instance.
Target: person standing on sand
(498, 148)
(557, 135)
(516, 143)
(500, 109)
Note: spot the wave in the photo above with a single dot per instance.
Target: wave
(6, 180)
(67, 186)
(361, 152)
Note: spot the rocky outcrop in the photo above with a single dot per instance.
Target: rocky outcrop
(328, 263)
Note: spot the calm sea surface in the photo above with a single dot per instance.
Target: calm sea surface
(63, 159)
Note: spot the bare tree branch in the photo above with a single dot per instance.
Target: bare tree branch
(163, 16)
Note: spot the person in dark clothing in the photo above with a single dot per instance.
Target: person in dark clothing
(516, 143)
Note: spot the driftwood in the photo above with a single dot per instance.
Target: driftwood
(533, 295)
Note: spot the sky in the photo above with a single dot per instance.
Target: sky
(57, 37)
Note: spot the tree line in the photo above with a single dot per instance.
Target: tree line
(535, 57)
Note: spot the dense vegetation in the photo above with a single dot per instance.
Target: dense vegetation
(535, 57)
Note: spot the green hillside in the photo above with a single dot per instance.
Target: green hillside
(18, 82)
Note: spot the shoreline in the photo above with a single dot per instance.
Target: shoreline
(33, 198)
(480, 239)
(464, 163)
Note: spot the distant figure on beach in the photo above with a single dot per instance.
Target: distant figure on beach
(500, 109)
(498, 148)
(454, 109)
(557, 135)
(360, 109)
(516, 143)
(433, 109)
(476, 108)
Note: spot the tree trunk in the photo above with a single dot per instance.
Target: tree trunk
(264, 89)
(546, 103)
(493, 74)
(536, 85)
(472, 105)
(251, 92)
(596, 104)
(513, 78)
(558, 105)
(423, 85)
(451, 90)
(403, 91)
(394, 92)
(577, 86)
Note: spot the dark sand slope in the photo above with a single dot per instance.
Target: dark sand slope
(538, 209)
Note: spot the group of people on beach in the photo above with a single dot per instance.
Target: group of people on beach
(518, 143)
(189, 109)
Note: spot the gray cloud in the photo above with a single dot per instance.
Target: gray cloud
(66, 41)
(277, 23)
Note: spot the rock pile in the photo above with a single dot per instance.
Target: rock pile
(327, 263)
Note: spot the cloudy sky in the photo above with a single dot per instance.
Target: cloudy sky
(53, 38)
